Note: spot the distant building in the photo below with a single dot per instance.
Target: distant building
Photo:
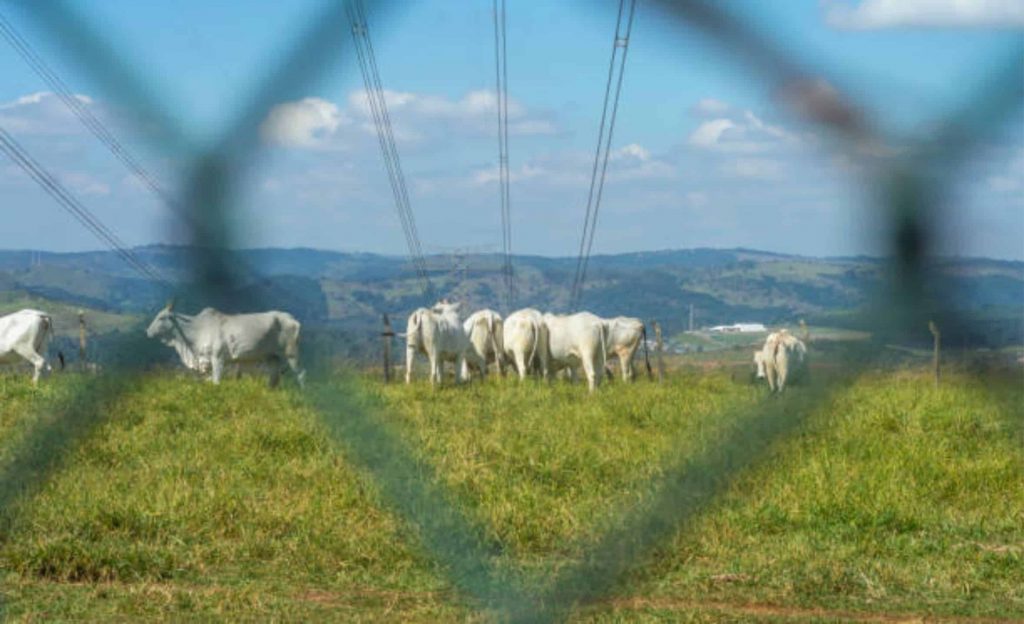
(739, 328)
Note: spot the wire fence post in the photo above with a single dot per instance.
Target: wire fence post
(659, 349)
(936, 348)
(386, 337)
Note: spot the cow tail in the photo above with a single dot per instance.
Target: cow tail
(494, 341)
(46, 334)
(414, 334)
(647, 357)
(535, 328)
(292, 346)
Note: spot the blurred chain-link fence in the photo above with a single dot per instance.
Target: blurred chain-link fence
(910, 200)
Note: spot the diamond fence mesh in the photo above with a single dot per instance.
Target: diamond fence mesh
(912, 187)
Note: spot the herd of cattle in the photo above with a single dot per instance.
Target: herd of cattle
(528, 340)
(531, 342)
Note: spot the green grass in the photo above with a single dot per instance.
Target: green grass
(234, 502)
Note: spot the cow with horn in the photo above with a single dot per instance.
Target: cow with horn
(210, 340)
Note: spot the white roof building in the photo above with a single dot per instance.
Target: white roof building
(739, 328)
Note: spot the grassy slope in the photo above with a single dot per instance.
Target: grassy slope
(232, 501)
(65, 315)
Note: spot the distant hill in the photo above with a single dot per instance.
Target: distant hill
(352, 290)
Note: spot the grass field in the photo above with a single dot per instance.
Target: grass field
(186, 501)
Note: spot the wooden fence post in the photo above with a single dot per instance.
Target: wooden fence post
(386, 336)
(934, 329)
(659, 349)
(82, 341)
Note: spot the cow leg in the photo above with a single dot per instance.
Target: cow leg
(545, 367)
(435, 370)
(591, 372)
(275, 373)
(300, 375)
(410, 356)
(217, 370)
(462, 369)
(781, 376)
(38, 362)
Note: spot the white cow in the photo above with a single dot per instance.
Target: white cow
(525, 339)
(24, 335)
(437, 333)
(211, 339)
(484, 329)
(579, 339)
(625, 334)
(782, 358)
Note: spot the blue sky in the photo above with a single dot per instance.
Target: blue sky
(705, 154)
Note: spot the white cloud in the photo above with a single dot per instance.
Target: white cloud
(573, 169)
(743, 133)
(709, 133)
(415, 117)
(40, 97)
(632, 151)
(710, 107)
(472, 104)
(874, 14)
(41, 113)
(306, 123)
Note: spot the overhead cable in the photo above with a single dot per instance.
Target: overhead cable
(73, 206)
(616, 71)
(504, 177)
(386, 139)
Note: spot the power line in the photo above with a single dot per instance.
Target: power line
(78, 108)
(604, 140)
(74, 207)
(501, 74)
(386, 139)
